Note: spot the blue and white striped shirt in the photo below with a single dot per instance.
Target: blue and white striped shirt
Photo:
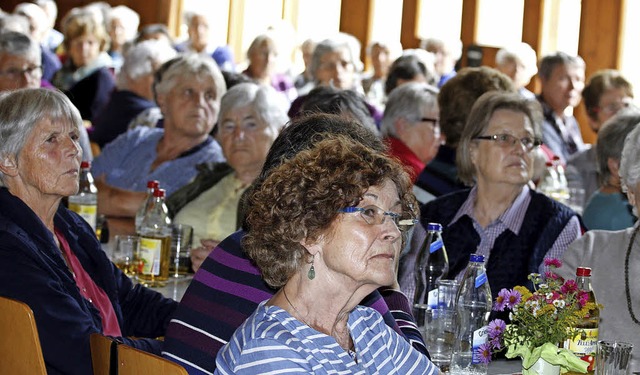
(271, 341)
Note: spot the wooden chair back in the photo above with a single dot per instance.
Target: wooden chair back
(19, 341)
(104, 355)
(133, 361)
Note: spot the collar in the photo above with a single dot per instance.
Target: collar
(512, 217)
(197, 148)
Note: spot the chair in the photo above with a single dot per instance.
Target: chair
(19, 341)
(104, 355)
(133, 361)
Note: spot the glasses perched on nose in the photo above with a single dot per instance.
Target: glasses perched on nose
(508, 140)
(436, 125)
(15, 73)
(373, 215)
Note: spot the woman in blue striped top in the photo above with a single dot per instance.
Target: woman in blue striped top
(326, 227)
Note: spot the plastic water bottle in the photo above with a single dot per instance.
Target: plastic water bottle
(154, 246)
(85, 203)
(472, 317)
(432, 264)
(144, 207)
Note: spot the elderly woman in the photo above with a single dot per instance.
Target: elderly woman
(20, 68)
(229, 281)
(198, 41)
(188, 89)
(606, 92)
(614, 257)
(500, 217)
(411, 125)
(608, 207)
(134, 92)
(122, 26)
(325, 258)
(251, 117)
(49, 256)
(85, 76)
(518, 61)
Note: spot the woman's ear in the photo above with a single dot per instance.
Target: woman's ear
(9, 166)
(313, 246)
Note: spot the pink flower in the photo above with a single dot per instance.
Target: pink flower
(484, 351)
(496, 327)
(583, 298)
(569, 286)
(553, 262)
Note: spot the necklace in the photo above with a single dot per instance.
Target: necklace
(626, 276)
(284, 291)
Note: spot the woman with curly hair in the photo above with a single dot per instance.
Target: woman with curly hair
(326, 228)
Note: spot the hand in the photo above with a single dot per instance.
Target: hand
(199, 254)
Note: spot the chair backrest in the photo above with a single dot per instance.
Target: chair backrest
(104, 355)
(133, 361)
(19, 341)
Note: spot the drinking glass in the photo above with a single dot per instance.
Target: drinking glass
(124, 253)
(181, 238)
(439, 336)
(612, 357)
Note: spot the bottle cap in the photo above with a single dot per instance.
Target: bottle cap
(476, 258)
(548, 164)
(85, 164)
(152, 184)
(158, 193)
(583, 271)
(434, 226)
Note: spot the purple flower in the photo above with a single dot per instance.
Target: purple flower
(501, 300)
(484, 352)
(496, 327)
(496, 345)
(513, 298)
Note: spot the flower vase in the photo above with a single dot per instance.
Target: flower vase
(542, 367)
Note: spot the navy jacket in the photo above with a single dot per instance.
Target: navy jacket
(32, 270)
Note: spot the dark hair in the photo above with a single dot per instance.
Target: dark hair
(154, 28)
(327, 99)
(458, 94)
(598, 84)
(406, 67)
(299, 200)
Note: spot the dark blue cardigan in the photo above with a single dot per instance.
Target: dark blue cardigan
(32, 270)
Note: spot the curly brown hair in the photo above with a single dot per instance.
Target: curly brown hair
(300, 200)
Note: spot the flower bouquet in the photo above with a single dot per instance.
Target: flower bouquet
(540, 321)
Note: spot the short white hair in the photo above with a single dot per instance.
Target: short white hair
(142, 59)
(630, 160)
(521, 52)
(130, 19)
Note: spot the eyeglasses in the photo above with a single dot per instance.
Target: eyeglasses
(373, 215)
(613, 108)
(14, 73)
(508, 140)
(436, 125)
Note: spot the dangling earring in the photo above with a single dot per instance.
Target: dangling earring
(312, 271)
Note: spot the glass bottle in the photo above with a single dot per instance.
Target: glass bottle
(586, 348)
(154, 246)
(151, 186)
(85, 203)
(432, 264)
(473, 306)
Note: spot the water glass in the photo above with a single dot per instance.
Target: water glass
(439, 336)
(181, 238)
(612, 357)
(447, 290)
(124, 253)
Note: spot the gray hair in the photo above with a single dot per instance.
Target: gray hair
(334, 45)
(611, 140)
(129, 17)
(18, 44)
(187, 66)
(630, 159)
(23, 109)
(478, 121)
(549, 62)
(15, 22)
(408, 101)
(142, 59)
(265, 101)
(519, 52)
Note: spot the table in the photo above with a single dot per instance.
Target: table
(175, 287)
(504, 366)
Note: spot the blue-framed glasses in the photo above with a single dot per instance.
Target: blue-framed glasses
(373, 215)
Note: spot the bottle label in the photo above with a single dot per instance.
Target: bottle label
(89, 212)
(584, 348)
(480, 280)
(479, 337)
(150, 251)
(435, 246)
(432, 299)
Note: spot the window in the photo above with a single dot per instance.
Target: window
(499, 22)
(630, 55)
(439, 19)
